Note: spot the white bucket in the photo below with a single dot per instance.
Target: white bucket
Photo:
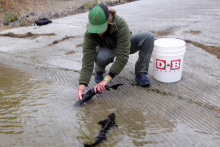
(168, 59)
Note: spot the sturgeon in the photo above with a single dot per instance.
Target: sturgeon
(106, 125)
(88, 95)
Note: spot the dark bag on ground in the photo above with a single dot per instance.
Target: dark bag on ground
(43, 21)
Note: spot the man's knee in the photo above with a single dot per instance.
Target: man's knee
(149, 37)
(104, 56)
(145, 37)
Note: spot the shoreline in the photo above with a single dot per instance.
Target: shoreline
(54, 11)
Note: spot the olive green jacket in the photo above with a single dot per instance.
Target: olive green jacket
(116, 37)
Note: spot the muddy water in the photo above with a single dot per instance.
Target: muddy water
(30, 110)
(36, 112)
(39, 112)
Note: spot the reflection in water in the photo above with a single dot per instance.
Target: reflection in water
(11, 97)
(140, 123)
(136, 128)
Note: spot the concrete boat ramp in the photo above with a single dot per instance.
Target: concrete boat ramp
(39, 79)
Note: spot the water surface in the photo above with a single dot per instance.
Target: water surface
(39, 112)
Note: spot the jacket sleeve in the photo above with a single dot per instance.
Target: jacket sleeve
(89, 52)
(123, 47)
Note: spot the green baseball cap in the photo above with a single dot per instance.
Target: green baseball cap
(98, 18)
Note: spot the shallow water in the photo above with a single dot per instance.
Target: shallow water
(40, 112)
(30, 110)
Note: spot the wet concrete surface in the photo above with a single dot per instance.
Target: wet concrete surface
(38, 112)
(39, 81)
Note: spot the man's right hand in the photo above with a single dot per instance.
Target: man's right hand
(81, 90)
(79, 95)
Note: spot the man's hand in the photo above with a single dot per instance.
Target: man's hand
(81, 90)
(100, 86)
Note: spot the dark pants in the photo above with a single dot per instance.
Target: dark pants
(142, 42)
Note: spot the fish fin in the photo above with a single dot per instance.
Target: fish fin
(102, 122)
(114, 125)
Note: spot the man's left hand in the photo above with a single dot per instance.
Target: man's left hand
(100, 87)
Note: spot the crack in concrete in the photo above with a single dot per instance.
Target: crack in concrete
(63, 39)
(70, 52)
(26, 35)
(162, 33)
(192, 32)
(211, 49)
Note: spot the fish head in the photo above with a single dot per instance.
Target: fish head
(82, 101)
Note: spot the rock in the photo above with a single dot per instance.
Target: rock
(42, 16)
(121, 1)
(65, 13)
(54, 16)
(16, 23)
(6, 23)
(69, 13)
(32, 19)
(24, 21)
(31, 14)
(112, 3)
(80, 9)
(48, 14)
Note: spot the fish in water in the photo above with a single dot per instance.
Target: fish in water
(88, 95)
(106, 125)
